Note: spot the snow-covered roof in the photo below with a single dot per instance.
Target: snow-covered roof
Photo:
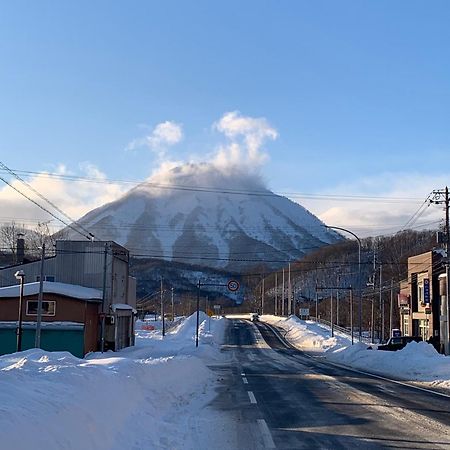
(122, 306)
(68, 290)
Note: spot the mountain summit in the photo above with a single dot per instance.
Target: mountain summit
(211, 217)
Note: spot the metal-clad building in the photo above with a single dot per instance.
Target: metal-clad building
(102, 265)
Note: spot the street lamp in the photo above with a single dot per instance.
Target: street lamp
(20, 275)
(359, 274)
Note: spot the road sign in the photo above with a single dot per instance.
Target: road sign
(304, 312)
(233, 285)
(426, 291)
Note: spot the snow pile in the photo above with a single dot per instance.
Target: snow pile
(307, 335)
(152, 396)
(418, 361)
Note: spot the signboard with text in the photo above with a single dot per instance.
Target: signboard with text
(426, 291)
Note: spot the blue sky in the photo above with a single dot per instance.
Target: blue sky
(358, 91)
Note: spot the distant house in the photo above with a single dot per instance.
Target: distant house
(81, 276)
(421, 308)
(70, 317)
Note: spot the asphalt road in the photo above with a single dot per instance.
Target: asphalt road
(282, 398)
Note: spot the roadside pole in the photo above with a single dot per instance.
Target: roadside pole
(391, 308)
(351, 312)
(162, 310)
(317, 305)
(198, 313)
(173, 308)
(289, 290)
(331, 314)
(262, 296)
(282, 295)
(276, 294)
(37, 341)
(381, 307)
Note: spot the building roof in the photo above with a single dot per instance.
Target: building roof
(68, 290)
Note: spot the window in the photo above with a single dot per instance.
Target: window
(420, 296)
(46, 278)
(405, 325)
(48, 307)
(423, 329)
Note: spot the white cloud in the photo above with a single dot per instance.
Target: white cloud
(399, 196)
(247, 136)
(75, 198)
(163, 136)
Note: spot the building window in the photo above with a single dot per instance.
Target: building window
(46, 278)
(405, 325)
(424, 329)
(420, 296)
(48, 307)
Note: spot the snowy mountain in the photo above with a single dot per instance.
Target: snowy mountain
(202, 215)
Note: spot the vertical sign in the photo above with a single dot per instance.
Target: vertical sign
(426, 291)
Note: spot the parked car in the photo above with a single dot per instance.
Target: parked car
(397, 343)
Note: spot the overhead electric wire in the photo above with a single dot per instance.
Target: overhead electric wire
(43, 208)
(418, 213)
(262, 192)
(42, 197)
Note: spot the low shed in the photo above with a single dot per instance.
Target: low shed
(70, 317)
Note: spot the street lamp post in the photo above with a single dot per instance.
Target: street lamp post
(20, 275)
(359, 275)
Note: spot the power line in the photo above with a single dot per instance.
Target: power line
(259, 192)
(42, 197)
(43, 208)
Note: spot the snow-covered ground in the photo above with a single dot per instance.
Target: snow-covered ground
(418, 362)
(152, 396)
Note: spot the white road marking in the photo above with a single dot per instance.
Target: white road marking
(265, 433)
(245, 380)
(252, 397)
(352, 369)
(243, 374)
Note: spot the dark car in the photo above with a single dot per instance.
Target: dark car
(399, 342)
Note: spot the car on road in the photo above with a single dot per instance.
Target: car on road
(397, 343)
(254, 317)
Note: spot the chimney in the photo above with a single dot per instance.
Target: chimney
(20, 251)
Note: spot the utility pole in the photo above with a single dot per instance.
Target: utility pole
(37, 341)
(381, 307)
(262, 296)
(317, 304)
(331, 315)
(198, 313)
(162, 310)
(439, 197)
(103, 323)
(391, 308)
(351, 311)
(282, 296)
(173, 308)
(337, 300)
(289, 290)
(276, 294)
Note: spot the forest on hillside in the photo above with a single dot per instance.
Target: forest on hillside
(329, 273)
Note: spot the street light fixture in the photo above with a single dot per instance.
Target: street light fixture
(359, 274)
(20, 275)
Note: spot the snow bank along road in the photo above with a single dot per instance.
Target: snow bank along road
(281, 398)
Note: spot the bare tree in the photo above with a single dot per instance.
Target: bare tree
(8, 237)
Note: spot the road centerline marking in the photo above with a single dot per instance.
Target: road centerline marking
(245, 380)
(252, 397)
